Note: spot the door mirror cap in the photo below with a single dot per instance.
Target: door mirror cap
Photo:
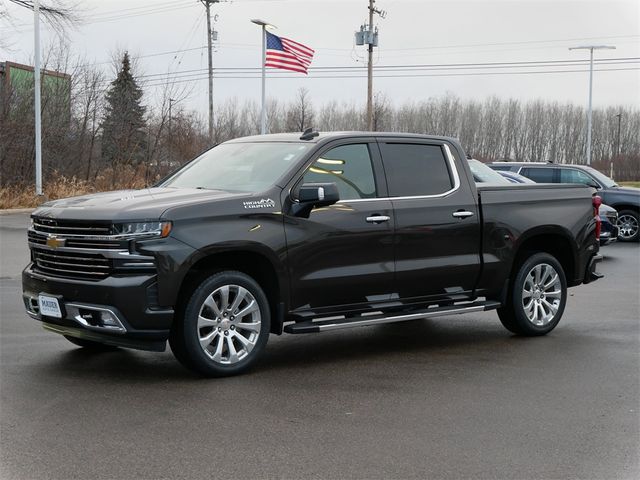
(318, 194)
(311, 195)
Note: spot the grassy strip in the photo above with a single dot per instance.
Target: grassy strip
(58, 186)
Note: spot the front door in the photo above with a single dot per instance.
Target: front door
(342, 255)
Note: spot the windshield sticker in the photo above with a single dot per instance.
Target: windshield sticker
(262, 203)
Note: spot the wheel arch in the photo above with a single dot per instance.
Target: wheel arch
(249, 259)
(555, 241)
(626, 206)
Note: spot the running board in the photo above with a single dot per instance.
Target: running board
(365, 320)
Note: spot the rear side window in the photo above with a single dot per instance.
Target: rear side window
(538, 175)
(349, 167)
(570, 175)
(414, 170)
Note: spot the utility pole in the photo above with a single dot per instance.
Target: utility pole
(207, 7)
(370, 73)
(591, 48)
(36, 77)
(368, 35)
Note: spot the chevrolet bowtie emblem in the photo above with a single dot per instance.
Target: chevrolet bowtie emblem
(55, 242)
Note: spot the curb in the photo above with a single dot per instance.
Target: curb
(11, 211)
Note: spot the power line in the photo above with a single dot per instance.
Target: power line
(412, 67)
(162, 84)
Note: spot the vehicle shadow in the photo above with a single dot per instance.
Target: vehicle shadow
(423, 341)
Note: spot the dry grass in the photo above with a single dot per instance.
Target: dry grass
(58, 186)
(630, 184)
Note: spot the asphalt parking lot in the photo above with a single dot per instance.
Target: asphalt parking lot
(456, 397)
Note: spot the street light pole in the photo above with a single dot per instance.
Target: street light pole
(591, 48)
(37, 98)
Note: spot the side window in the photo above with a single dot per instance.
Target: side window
(414, 169)
(349, 167)
(538, 175)
(570, 175)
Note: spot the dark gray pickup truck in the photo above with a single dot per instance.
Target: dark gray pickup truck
(305, 233)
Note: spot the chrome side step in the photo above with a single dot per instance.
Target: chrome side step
(320, 325)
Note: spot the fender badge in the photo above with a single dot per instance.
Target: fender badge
(262, 203)
(55, 242)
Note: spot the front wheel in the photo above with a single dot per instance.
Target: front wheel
(223, 327)
(628, 226)
(537, 297)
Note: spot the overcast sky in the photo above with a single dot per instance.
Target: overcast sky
(413, 33)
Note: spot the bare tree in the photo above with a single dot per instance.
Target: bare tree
(300, 114)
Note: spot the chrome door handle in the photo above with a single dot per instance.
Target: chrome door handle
(462, 214)
(378, 218)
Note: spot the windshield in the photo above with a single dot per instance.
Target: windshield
(484, 174)
(603, 179)
(239, 167)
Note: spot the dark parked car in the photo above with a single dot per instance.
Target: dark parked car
(302, 234)
(626, 200)
(514, 177)
(609, 226)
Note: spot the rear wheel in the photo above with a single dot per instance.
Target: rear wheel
(90, 344)
(224, 326)
(537, 297)
(628, 226)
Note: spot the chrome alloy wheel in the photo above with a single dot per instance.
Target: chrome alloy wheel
(541, 294)
(229, 324)
(627, 226)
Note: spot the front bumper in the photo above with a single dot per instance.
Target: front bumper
(609, 235)
(119, 310)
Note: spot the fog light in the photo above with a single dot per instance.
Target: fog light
(108, 320)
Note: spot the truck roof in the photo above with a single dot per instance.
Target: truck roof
(325, 136)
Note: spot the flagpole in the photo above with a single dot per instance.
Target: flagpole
(263, 107)
(263, 112)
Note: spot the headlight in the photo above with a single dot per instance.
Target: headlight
(142, 229)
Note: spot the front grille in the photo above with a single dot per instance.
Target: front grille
(69, 227)
(40, 238)
(71, 264)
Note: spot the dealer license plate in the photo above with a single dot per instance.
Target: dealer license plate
(49, 306)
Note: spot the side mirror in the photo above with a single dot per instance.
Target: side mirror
(595, 185)
(312, 195)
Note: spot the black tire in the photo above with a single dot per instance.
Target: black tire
(234, 356)
(628, 226)
(90, 344)
(513, 314)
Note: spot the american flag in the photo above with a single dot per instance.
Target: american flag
(287, 54)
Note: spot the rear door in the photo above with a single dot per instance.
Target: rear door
(343, 254)
(437, 239)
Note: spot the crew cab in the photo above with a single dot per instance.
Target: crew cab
(292, 233)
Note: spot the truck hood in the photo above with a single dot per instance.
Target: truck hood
(626, 190)
(127, 205)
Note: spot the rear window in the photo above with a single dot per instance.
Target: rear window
(415, 170)
(538, 174)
